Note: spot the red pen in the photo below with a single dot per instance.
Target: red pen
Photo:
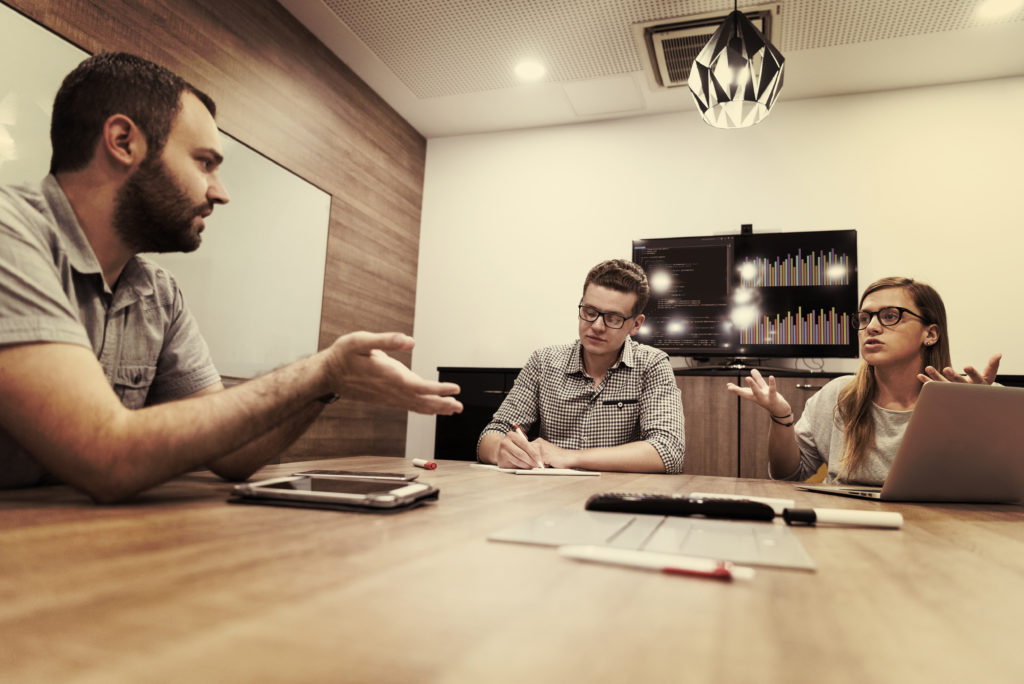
(540, 461)
(664, 562)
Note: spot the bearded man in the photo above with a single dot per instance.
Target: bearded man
(106, 383)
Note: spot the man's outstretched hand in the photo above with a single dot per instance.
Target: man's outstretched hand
(362, 370)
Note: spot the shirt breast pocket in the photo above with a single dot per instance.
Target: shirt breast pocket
(132, 383)
(620, 410)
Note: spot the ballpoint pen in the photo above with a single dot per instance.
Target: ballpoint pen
(540, 461)
(663, 562)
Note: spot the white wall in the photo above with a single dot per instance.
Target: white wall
(931, 178)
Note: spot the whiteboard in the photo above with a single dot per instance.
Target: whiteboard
(256, 284)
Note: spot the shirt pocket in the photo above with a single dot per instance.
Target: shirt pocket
(132, 383)
(620, 412)
(619, 404)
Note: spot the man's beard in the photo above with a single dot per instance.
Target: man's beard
(153, 214)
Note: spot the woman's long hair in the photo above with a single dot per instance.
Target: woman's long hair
(853, 410)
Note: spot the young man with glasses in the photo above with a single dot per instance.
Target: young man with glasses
(604, 402)
(855, 423)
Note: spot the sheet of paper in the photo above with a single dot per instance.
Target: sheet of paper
(536, 471)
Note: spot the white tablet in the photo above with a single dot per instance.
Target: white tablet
(370, 493)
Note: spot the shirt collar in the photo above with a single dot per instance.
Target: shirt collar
(133, 282)
(76, 245)
(627, 357)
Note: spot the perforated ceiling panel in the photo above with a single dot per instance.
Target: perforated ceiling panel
(824, 23)
(455, 47)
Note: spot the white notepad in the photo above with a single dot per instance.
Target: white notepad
(536, 471)
(749, 543)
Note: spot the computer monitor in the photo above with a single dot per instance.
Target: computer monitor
(753, 295)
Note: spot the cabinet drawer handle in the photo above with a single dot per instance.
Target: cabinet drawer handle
(495, 392)
(808, 387)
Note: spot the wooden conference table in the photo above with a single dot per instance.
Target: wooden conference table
(180, 586)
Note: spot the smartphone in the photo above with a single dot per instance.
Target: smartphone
(349, 491)
(361, 474)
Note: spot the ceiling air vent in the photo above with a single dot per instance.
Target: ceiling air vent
(671, 45)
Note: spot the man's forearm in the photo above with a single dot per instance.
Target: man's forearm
(487, 448)
(239, 425)
(634, 457)
(57, 403)
(84, 436)
(243, 462)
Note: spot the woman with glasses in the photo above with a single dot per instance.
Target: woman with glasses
(855, 423)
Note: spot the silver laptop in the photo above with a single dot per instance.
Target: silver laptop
(963, 444)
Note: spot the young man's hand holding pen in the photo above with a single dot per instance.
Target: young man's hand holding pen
(516, 451)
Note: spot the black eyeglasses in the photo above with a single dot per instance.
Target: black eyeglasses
(887, 316)
(611, 320)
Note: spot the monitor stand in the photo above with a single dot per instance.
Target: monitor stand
(736, 364)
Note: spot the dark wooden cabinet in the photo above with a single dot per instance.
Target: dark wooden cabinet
(483, 390)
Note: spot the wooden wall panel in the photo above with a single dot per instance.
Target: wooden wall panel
(280, 91)
(710, 415)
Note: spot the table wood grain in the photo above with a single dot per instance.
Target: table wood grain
(180, 586)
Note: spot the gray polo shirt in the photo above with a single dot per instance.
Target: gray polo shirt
(52, 290)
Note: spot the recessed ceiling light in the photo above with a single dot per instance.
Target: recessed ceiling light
(530, 70)
(996, 9)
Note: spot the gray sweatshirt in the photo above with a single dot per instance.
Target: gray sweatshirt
(820, 439)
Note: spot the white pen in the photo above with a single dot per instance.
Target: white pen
(842, 516)
(540, 461)
(663, 562)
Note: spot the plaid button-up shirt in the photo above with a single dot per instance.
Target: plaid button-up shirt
(638, 400)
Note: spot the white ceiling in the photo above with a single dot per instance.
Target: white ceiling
(446, 65)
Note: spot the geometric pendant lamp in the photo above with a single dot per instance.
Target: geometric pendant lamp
(737, 76)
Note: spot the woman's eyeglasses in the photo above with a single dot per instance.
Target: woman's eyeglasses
(888, 316)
